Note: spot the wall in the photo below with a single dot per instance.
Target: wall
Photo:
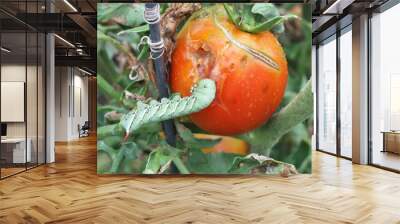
(33, 127)
(61, 103)
(92, 98)
(17, 73)
(71, 102)
(80, 111)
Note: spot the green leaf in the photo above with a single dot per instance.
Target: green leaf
(302, 157)
(268, 11)
(232, 14)
(157, 162)
(130, 150)
(109, 130)
(112, 162)
(105, 65)
(105, 11)
(113, 155)
(192, 142)
(114, 141)
(271, 24)
(133, 166)
(257, 18)
(127, 14)
(129, 38)
(101, 111)
(265, 9)
(103, 162)
(104, 37)
(209, 163)
(223, 163)
(139, 29)
(247, 16)
(161, 158)
(111, 40)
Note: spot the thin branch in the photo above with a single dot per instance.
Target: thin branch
(297, 111)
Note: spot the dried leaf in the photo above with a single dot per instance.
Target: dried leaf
(173, 16)
(113, 116)
(256, 163)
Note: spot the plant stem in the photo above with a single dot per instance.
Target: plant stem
(107, 88)
(117, 161)
(143, 53)
(109, 130)
(180, 165)
(297, 111)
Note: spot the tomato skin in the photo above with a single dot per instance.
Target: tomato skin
(248, 90)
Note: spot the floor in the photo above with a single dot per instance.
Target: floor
(5, 172)
(10, 171)
(69, 191)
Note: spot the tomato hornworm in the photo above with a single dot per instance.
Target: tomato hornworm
(203, 93)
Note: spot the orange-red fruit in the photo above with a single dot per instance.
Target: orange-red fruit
(226, 145)
(248, 89)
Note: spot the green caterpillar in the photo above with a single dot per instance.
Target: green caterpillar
(203, 94)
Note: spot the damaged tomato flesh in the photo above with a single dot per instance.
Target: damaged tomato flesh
(250, 71)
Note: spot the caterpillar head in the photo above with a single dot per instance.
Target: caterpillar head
(204, 90)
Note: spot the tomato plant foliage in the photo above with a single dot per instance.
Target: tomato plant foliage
(285, 138)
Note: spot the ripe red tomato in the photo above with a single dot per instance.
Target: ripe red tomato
(249, 89)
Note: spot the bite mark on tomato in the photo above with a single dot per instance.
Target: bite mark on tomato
(202, 57)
